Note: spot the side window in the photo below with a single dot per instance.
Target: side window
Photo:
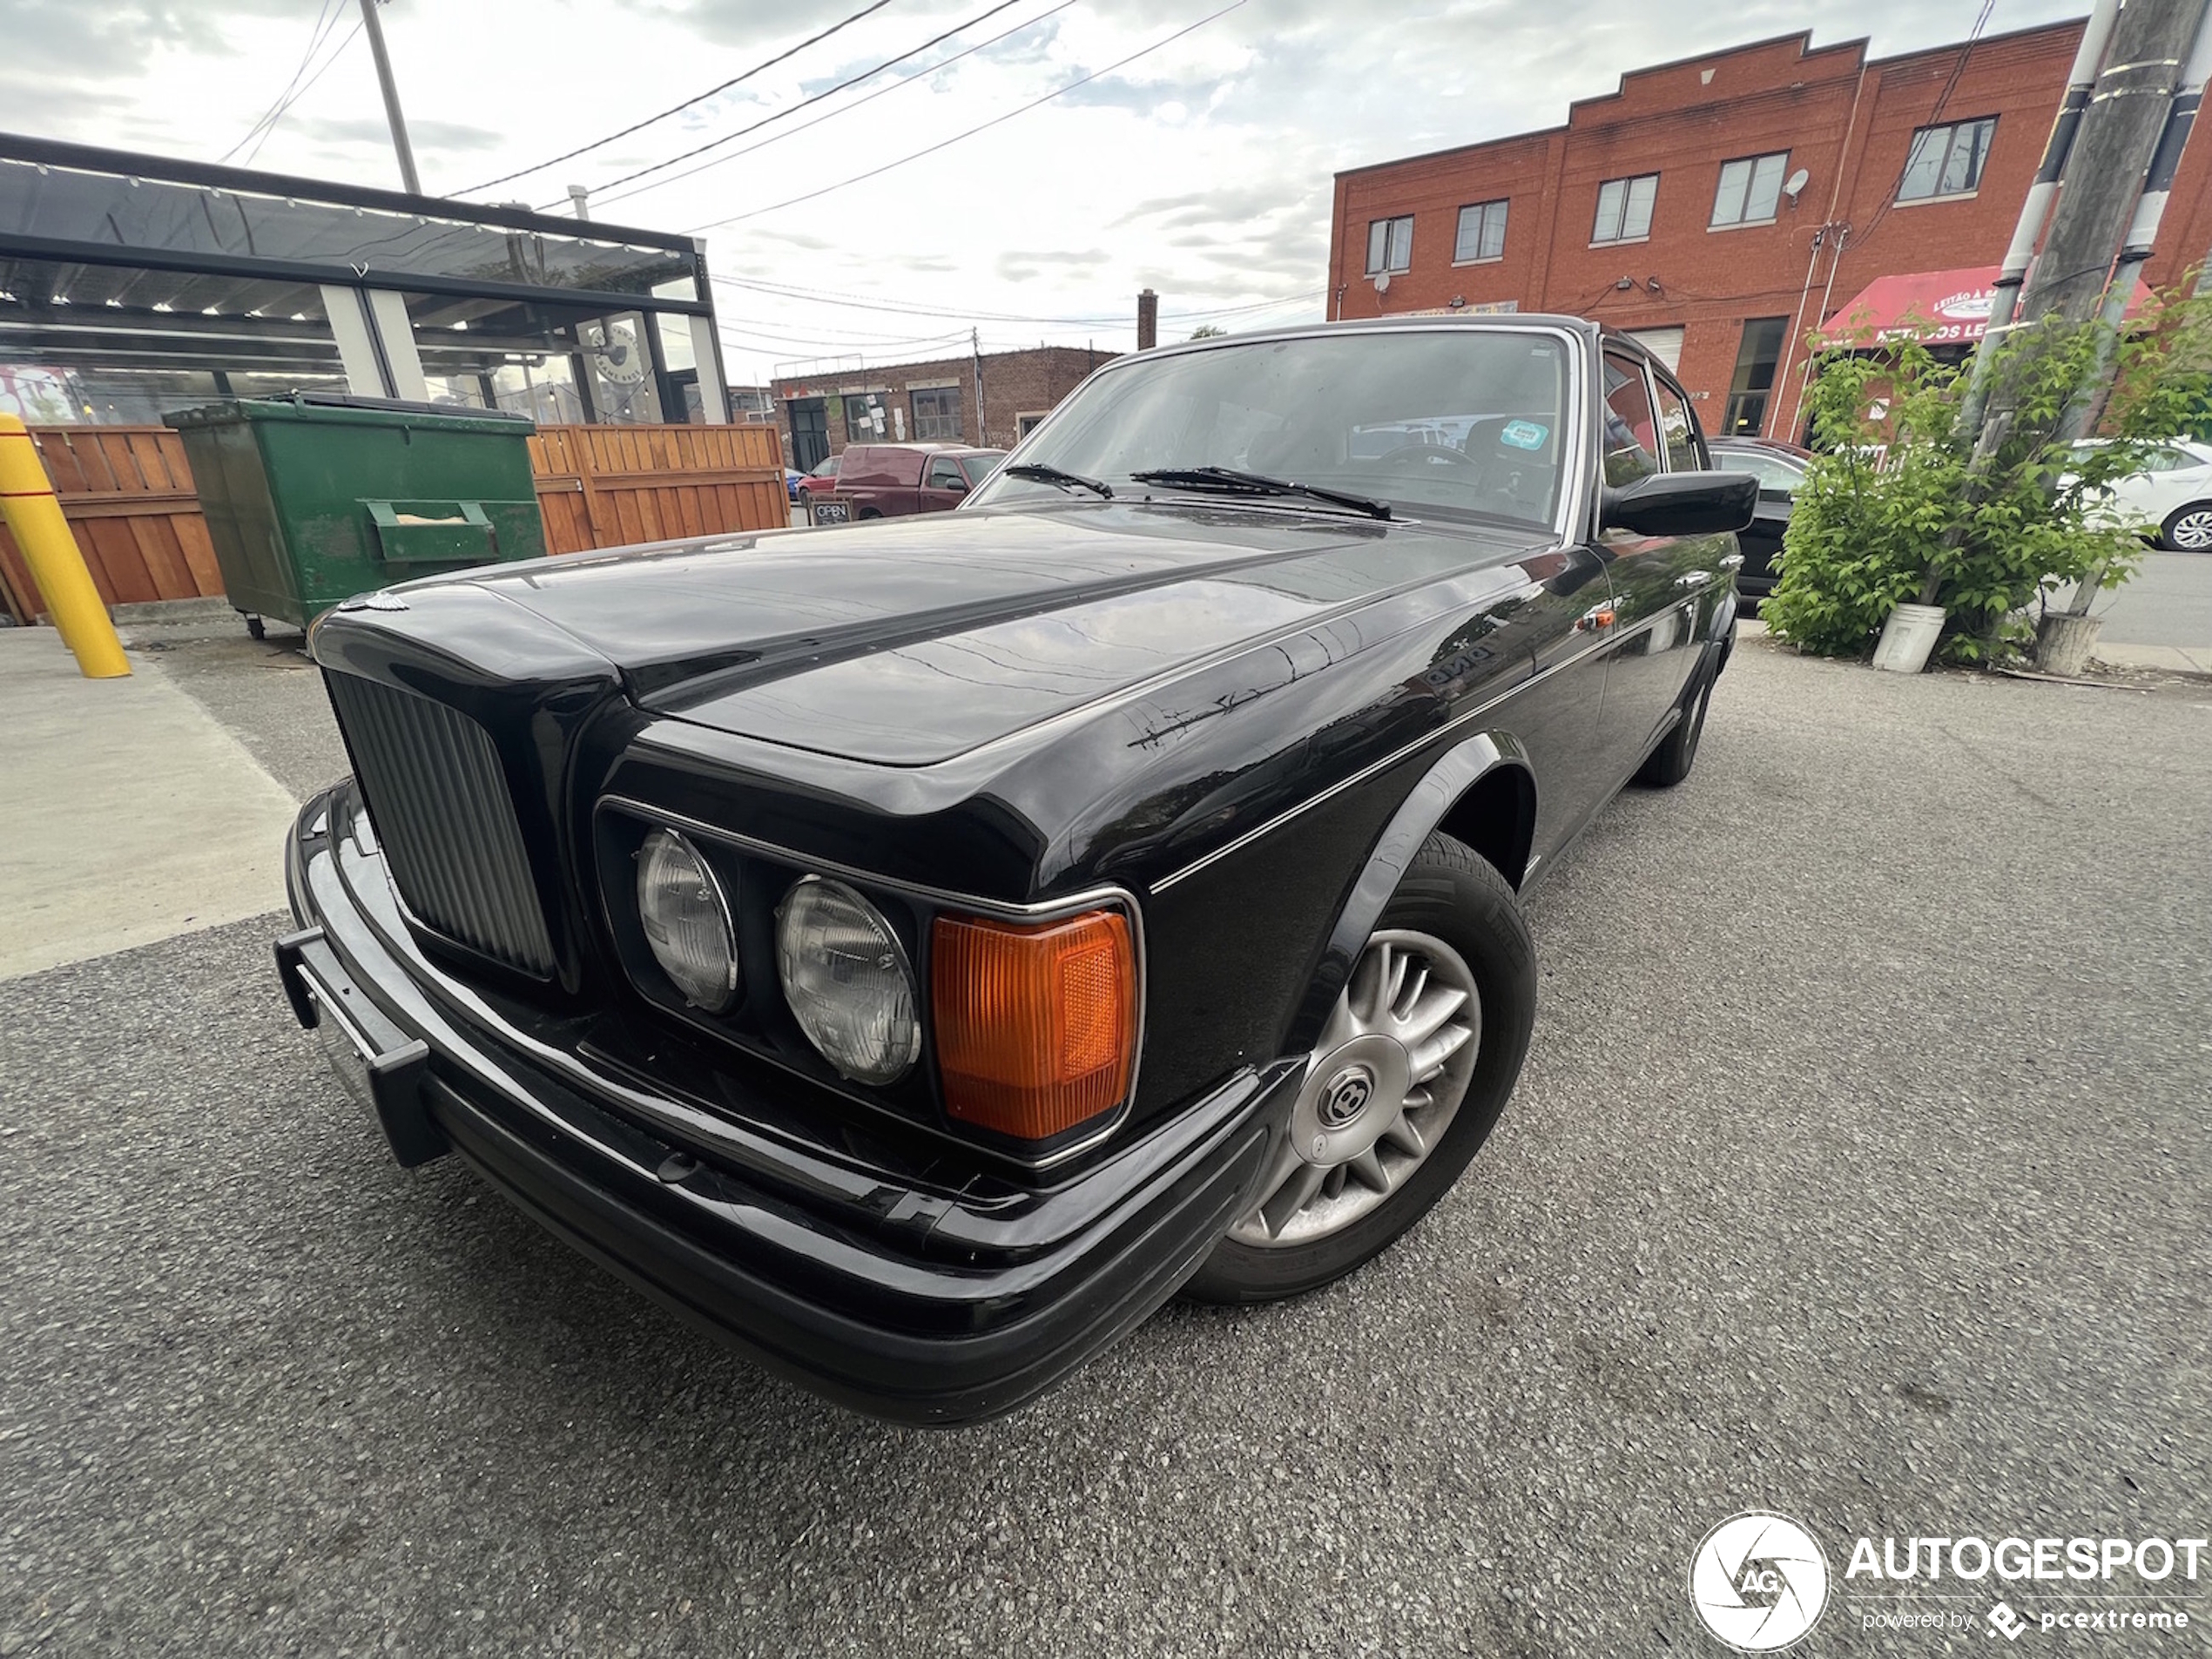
(1685, 447)
(1631, 429)
(945, 474)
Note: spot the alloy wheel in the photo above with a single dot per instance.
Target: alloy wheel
(1381, 1088)
(2192, 531)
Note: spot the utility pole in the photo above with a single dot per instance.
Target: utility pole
(2088, 58)
(391, 97)
(975, 349)
(2140, 239)
(2104, 172)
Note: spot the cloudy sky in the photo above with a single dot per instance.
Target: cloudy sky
(1194, 161)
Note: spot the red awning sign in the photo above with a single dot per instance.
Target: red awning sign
(1939, 307)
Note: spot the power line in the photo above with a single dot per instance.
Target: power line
(1943, 99)
(770, 120)
(831, 115)
(998, 120)
(677, 109)
(830, 296)
(325, 21)
(305, 86)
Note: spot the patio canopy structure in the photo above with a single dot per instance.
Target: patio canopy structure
(132, 284)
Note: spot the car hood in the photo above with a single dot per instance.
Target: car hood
(911, 641)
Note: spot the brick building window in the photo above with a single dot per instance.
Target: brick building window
(1483, 233)
(1750, 190)
(1946, 161)
(937, 413)
(1756, 358)
(1624, 209)
(1390, 245)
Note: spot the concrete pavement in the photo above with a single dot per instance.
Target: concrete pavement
(127, 812)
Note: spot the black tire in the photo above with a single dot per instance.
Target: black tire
(1451, 891)
(1670, 762)
(2172, 533)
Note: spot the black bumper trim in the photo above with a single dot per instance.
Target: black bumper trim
(900, 1376)
(831, 1291)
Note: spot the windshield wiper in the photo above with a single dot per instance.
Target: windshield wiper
(1044, 475)
(1232, 482)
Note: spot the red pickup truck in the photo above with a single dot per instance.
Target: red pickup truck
(885, 480)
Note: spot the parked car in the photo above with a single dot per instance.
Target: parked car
(916, 954)
(821, 479)
(888, 480)
(1780, 468)
(2169, 501)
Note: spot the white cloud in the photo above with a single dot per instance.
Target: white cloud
(1202, 170)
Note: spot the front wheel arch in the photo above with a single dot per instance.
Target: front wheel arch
(1468, 794)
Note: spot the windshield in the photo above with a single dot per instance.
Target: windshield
(1450, 423)
(979, 467)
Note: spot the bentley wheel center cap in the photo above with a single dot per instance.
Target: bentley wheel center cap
(1346, 1096)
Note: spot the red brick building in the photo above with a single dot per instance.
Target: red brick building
(906, 402)
(1724, 205)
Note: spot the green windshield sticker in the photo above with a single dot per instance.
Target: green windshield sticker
(1524, 435)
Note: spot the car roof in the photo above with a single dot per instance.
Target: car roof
(1780, 447)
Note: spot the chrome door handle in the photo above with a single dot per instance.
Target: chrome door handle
(1694, 579)
(1731, 561)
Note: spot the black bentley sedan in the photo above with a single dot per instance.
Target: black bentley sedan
(917, 950)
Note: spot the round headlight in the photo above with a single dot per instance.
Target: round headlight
(686, 923)
(847, 981)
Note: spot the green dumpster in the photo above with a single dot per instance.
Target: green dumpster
(312, 498)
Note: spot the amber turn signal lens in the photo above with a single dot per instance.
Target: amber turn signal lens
(1036, 1025)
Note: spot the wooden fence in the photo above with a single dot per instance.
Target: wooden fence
(127, 493)
(610, 486)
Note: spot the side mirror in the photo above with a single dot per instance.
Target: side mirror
(957, 485)
(1681, 503)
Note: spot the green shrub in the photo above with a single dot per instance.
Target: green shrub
(1898, 507)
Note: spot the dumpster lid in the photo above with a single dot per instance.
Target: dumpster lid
(345, 407)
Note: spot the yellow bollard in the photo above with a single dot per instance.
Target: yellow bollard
(33, 515)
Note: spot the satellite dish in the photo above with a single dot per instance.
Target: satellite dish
(1796, 183)
(1382, 282)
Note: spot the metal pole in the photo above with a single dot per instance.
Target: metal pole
(976, 346)
(2087, 58)
(34, 517)
(1797, 407)
(1797, 327)
(391, 97)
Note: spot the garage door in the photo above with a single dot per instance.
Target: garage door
(1665, 344)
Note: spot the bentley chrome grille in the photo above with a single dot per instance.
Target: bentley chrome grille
(438, 799)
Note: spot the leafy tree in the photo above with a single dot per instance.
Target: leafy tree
(1207, 331)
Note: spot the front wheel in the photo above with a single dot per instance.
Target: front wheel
(2188, 529)
(1410, 1073)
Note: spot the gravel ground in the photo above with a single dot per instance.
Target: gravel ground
(1859, 1172)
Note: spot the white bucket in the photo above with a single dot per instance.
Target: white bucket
(1907, 637)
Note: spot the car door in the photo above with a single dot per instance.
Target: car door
(1761, 540)
(944, 486)
(1663, 586)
